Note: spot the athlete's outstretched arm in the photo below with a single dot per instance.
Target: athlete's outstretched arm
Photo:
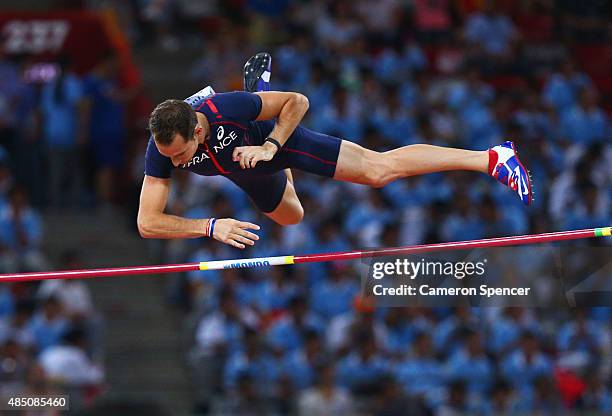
(288, 108)
(154, 223)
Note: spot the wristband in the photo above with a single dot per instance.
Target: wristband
(274, 142)
(212, 226)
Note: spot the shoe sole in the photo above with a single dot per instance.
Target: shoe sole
(254, 69)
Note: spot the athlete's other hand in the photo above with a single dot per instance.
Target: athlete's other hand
(248, 156)
(234, 232)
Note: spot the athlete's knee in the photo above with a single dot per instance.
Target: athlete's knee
(295, 216)
(291, 216)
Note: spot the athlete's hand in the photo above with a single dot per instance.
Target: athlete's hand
(248, 156)
(234, 232)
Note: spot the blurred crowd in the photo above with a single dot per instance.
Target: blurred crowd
(382, 73)
(50, 340)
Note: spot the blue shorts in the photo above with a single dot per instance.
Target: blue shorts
(305, 150)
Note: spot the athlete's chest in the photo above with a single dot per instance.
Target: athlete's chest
(214, 156)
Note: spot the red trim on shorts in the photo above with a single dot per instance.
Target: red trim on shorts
(328, 162)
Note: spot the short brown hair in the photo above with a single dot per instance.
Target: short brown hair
(170, 118)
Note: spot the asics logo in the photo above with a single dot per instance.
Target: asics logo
(224, 140)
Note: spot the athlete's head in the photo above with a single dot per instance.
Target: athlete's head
(174, 126)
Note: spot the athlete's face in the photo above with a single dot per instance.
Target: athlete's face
(180, 151)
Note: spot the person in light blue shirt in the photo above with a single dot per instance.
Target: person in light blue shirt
(585, 123)
(400, 332)
(300, 365)
(471, 365)
(21, 234)
(393, 120)
(464, 224)
(543, 399)
(61, 106)
(421, 373)
(7, 302)
(275, 293)
(505, 332)
(523, 366)
(342, 116)
(255, 361)
(582, 334)
(107, 100)
(446, 335)
(49, 325)
(590, 210)
(363, 367)
(491, 30)
(396, 63)
(334, 295)
(319, 89)
(562, 88)
(288, 332)
(329, 238)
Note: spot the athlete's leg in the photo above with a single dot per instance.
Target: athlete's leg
(360, 165)
(289, 211)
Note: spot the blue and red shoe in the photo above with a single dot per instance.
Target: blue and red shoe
(257, 72)
(506, 167)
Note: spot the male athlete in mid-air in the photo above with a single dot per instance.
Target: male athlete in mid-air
(253, 138)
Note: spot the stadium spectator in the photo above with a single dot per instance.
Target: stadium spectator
(492, 36)
(68, 364)
(471, 365)
(21, 234)
(287, 333)
(49, 324)
(524, 366)
(363, 367)
(14, 362)
(562, 88)
(16, 327)
(325, 397)
(334, 295)
(223, 329)
(257, 362)
(105, 109)
(421, 373)
(63, 126)
(584, 123)
(300, 365)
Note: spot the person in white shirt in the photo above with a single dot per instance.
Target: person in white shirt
(325, 398)
(69, 364)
